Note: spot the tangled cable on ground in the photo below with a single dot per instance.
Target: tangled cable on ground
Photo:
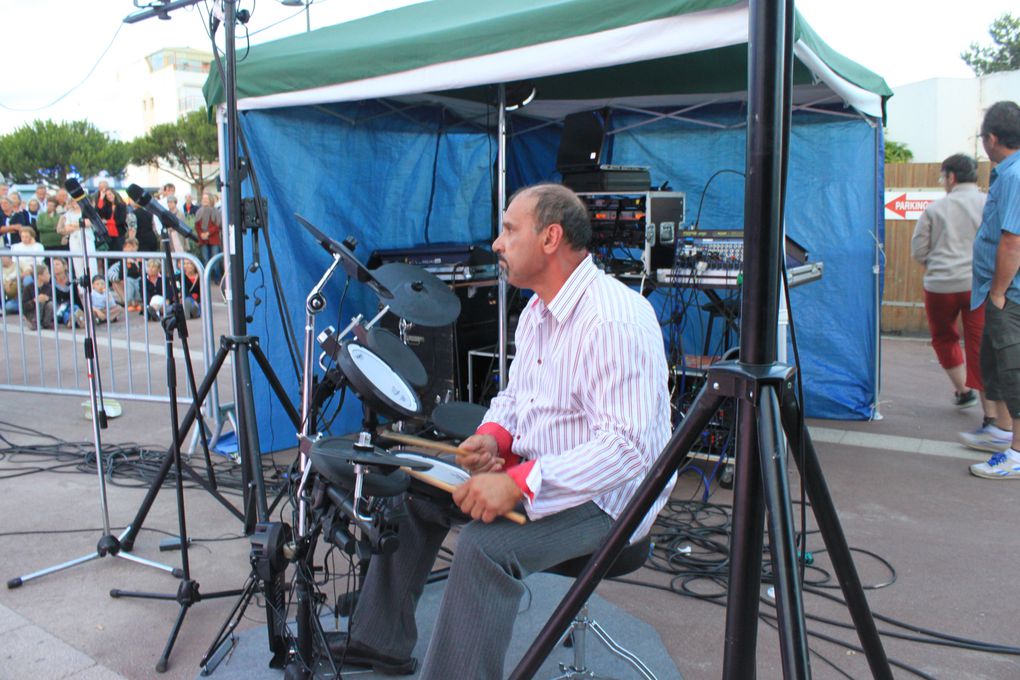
(691, 543)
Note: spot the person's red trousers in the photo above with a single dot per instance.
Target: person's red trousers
(943, 309)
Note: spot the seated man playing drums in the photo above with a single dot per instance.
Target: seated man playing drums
(584, 415)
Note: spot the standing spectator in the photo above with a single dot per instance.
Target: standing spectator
(943, 242)
(996, 265)
(33, 211)
(18, 206)
(113, 210)
(101, 187)
(169, 191)
(46, 225)
(209, 226)
(41, 194)
(146, 230)
(177, 243)
(80, 236)
(10, 223)
(62, 199)
(189, 208)
(5, 188)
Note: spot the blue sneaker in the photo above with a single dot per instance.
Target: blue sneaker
(999, 466)
(987, 438)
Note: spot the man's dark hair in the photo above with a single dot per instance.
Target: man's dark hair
(961, 165)
(1002, 119)
(556, 204)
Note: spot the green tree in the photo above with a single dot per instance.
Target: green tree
(49, 152)
(186, 148)
(897, 152)
(1004, 56)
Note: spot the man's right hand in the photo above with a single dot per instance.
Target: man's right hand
(482, 454)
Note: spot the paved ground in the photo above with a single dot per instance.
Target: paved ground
(900, 486)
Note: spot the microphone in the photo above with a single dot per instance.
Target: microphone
(169, 220)
(78, 194)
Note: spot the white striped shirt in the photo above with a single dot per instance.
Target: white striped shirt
(587, 396)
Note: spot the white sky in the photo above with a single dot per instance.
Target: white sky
(51, 45)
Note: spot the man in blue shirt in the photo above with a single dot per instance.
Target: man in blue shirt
(995, 270)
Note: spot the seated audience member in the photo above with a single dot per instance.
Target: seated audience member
(37, 299)
(11, 284)
(191, 290)
(66, 296)
(103, 306)
(152, 290)
(125, 278)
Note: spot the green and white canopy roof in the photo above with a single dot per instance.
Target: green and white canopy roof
(580, 54)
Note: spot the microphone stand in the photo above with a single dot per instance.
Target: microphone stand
(108, 543)
(188, 590)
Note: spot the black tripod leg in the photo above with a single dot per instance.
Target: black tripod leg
(835, 539)
(128, 540)
(746, 538)
(782, 544)
(281, 394)
(196, 403)
(165, 657)
(256, 508)
(668, 462)
(274, 382)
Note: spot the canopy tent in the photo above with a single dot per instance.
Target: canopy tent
(382, 128)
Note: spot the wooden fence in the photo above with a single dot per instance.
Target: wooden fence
(903, 301)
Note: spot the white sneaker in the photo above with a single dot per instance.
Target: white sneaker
(987, 438)
(1000, 466)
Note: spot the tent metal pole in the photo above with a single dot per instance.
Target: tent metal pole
(501, 200)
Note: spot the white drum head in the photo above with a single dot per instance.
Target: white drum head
(385, 382)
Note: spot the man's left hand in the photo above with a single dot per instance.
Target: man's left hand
(997, 299)
(486, 496)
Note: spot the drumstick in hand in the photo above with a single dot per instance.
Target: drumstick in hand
(423, 443)
(511, 515)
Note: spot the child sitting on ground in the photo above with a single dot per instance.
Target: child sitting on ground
(103, 306)
(125, 278)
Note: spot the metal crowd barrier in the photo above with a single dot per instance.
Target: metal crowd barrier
(47, 357)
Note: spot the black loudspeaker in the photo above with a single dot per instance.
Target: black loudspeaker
(443, 351)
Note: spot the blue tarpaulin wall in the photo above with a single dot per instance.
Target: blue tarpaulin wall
(399, 179)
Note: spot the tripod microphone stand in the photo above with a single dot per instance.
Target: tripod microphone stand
(239, 345)
(767, 407)
(188, 592)
(108, 543)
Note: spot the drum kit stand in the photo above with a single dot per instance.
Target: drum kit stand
(343, 483)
